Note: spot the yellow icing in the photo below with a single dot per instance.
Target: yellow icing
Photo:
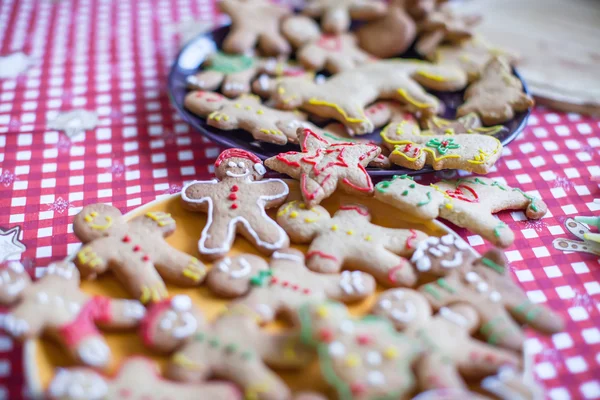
(340, 111)
(409, 99)
(432, 76)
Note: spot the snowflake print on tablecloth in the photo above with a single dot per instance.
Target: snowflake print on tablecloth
(538, 225)
(7, 178)
(583, 300)
(64, 144)
(60, 205)
(173, 189)
(10, 244)
(117, 169)
(563, 182)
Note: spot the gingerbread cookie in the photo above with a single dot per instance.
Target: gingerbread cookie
(345, 95)
(362, 359)
(391, 35)
(266, 84)
(246, 113)
(137, 378)
(336, 15)
(235, 202)
(429, 256)
(233, 347)
(136, 251)
(486, 286)
(254, 22)
(349, 239)
(317, 51)
(469, 123)
(497, 95)
(322, 167)
(443, 25)
(452, 351)
(414, 149)
(470, 55)
(469, 203)
(54, 305)
(233, 72)
(284, 284)
(511, 384)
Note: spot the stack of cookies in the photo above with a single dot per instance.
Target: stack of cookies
(441, 321)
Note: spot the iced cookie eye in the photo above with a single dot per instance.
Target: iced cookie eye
(231, 164)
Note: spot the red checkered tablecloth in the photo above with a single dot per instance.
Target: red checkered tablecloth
(112, 58)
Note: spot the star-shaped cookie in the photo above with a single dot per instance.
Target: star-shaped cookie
(322, 166)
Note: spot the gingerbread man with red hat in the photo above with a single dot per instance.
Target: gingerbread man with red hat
(235, 202)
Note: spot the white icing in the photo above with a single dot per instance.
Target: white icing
(187, 329)
(231, 227)
(41, 297)
(375, 378)
(242, 272)
(241, 164)
(398, 294)
(74, 307)
(166, 324)
(16, 267)
(76, 385)
(447, 239)
(352, 282)
(265, 310)
(94, 352)
(264, 82)
(495, 296)
(337, 349)
(134, 309)
(15, 288)
(260, 169)
(432, 240)
(181, 303)
(443, 249)
(386, 304)
(15, 326)
(374, 358)
(286, 256)
(455, 262)
(436, 252)
(454, 317)
(231, 164)
(224, 265)
(472, 276)
(461, 244)
(482, 287)
(233, 175)
(347, 326)
(404, 315)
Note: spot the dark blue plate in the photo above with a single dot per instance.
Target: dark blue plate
(195, 52)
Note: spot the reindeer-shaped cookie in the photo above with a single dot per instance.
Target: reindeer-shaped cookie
(284, 284)
(350, 239)
(246, 113)
(136, 251)
(54, 305)
(345, 95)
(362, 359)
(414, 149)
(336, 15)
(137, 378)
(451, 351)
(233, 347)
(317, 51)
(469, 203)
(236, 202)
(486, 286)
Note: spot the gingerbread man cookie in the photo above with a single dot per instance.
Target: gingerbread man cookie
(444, 25)
(414, 149)
(390, 35)
(317, 51)
(469, 203)
(322, 167)
(136, 251)
(344, 96)
(336, 15)
(254, 22)
(233, 72)
(362, 359)
(246, 113)
(233, 347)
(350, 239)
(486, 286)
(497, 95)
(54, 305)
(284, 284)
(236, 202)
(137, 378)
(451, 351)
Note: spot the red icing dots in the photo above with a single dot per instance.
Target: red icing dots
(357, 388)
(136, 248)
(363, 339)
(235, 188)
(233, 196)
(234, 206)
(146, 258)
(325, 335)
(126, 239)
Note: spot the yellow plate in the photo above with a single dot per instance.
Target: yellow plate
(42, 356)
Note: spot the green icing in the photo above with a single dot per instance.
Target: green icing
(501, 225)
(425, 202)
(429, 288)
(489, 263)
(444, 285)
(530, 198)
(442, 146)
(382, 186)
(229, 63)
(261, 278)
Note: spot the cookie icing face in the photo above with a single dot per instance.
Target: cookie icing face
(78, 385)
(13, 280)
(403, 308)
(239, 164)
(441, 255)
